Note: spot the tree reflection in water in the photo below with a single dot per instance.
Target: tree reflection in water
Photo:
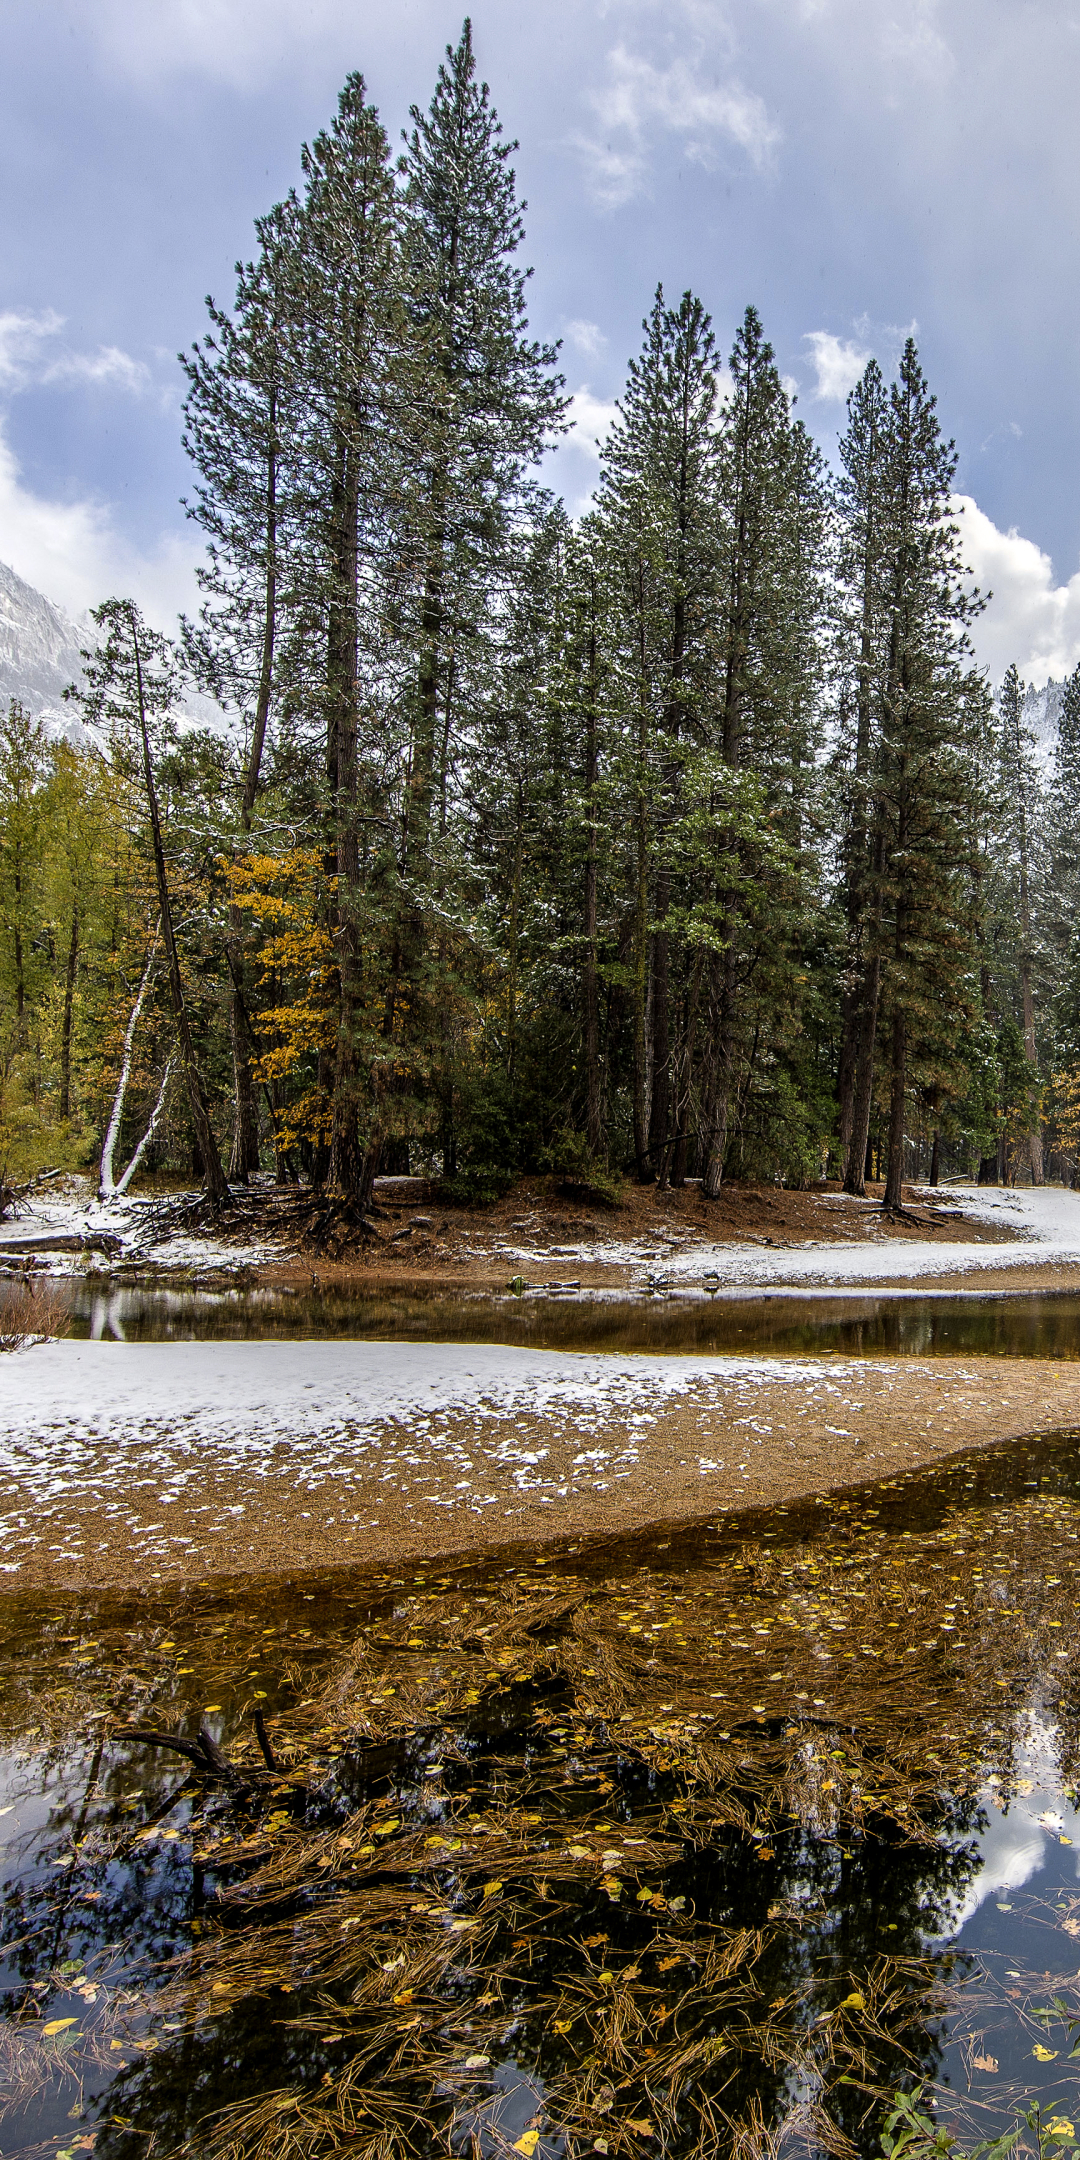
(627, 1849)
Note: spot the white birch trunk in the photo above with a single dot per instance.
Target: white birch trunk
(148, 1134)
(107, 1186)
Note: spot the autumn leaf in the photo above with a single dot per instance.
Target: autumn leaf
(56, 2025)
(527, 2143)
(984, 2062)
(1044, 2054)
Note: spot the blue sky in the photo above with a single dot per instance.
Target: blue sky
(854, 167)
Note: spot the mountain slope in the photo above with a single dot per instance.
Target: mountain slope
(39, 653)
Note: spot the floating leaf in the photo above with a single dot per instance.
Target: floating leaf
(56, 2025)
(477, 2062)
(492, 1889)
(527, 2143)
(1044, 2054)
(985, 2062)
(854, 2001)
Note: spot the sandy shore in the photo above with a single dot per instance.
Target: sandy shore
(184, 1462)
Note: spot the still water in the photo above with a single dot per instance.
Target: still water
(650, 1844)
(1040, 1324)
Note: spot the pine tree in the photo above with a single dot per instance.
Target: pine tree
(1019, 797)
(483, 400)
(349, 301)
(771, 496)
(240, 418)
(659, 515)
(923, 779)
(864, 527)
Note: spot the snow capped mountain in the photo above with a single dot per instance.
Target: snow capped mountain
(40, 656)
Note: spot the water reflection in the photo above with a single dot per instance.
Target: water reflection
(1032, 1324)
(631, 1844)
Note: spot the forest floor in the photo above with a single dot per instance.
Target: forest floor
(750, 1235)
(182, 1460)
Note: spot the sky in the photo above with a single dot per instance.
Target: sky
(856, 168)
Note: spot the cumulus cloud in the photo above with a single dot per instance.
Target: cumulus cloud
(587, 337)
(640, 98)
(1029, 620)
(837, 364)
(590, 418)
(73, 553)
(29, 357)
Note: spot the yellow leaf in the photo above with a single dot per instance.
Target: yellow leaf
(641, 2124)
(1060, 2127)
(387, 1829)
(56, 2025)
(561, 2025)
(527, 2143)
(854, 2001)
(492, 1889)
(1044, 2054)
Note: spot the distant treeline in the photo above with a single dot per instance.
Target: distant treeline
(684, 840)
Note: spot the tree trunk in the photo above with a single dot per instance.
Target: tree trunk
(245, 1146)
(69, 1006)
(935, 1161)
(346, 1152)
(863, 1101)
(894, 1169)
(214, 1175)
(660, 1110)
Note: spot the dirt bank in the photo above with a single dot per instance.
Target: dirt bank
(159, 1499)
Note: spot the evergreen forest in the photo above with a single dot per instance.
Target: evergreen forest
(684, 839)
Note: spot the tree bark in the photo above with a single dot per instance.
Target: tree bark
(590, 987)
(214, 1175)
(894, 1168)
(69, 1006)
(245, 1146)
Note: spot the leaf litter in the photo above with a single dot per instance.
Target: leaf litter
(653, 1846)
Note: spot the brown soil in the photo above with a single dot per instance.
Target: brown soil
(731, 1442)
(472, 1247)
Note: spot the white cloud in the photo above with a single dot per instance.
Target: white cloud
(837, 364)
(639, 97)
(239, 42)
(1029, 619)
(587, 337)
(28, 357)
(912, 36)
(73, 553)
(590, 418)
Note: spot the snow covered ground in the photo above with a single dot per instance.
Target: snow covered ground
(170, 1444)
(1043, 1228)
(128, 1226)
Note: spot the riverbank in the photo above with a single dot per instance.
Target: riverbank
(151, 1463)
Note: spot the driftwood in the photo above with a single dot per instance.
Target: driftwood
(102, 1241)
(204, 1753)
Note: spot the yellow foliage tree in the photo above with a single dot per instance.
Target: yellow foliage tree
(283, 898)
